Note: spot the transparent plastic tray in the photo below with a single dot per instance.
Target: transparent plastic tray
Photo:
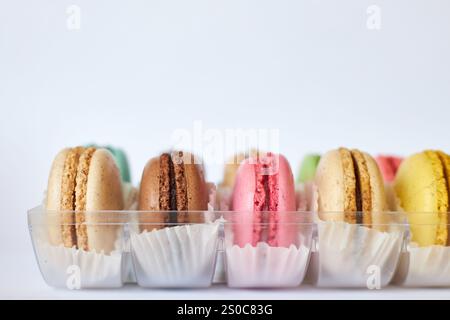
(134, 246)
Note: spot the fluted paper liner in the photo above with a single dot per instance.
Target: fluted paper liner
(423, 266)
(180, 256)
(74, 268)
(77, 269)
(351, 255)
(266, 266)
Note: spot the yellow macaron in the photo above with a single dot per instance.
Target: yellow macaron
(422, 187)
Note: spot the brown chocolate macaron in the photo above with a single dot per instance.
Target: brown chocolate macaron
(171, 186)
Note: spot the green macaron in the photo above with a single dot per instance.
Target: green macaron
(308, 168)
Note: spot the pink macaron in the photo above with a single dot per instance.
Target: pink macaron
(389, 166)
(264, 199)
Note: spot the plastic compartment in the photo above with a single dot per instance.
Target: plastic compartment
(427, 265)
(168, 255)
(267, 263)
(74, 268)
(356, 255)
(174, 254)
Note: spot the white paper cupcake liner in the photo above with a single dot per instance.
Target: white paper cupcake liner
(424, 267)
(74, 268)
(77, 269)
(266, 266)
(180, 256)
(351, 255)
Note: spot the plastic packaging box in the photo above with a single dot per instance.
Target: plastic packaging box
(135, 248)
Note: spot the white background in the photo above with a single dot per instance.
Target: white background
(138, 70)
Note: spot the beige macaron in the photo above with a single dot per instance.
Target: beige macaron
(348, 182)
(82, 181)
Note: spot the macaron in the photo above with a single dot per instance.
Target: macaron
(422, 186)
(263, 195)
(82, 180)
(350, 187)
(121, 160)
(172, 185)
(308, 168)
(388, 166)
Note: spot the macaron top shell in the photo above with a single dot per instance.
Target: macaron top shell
(243, 202)
(286, 190)
(197, 193)
(378, 193)
(61, 197)
(53, 199)
(149, 197)
(330, 183)
(103, 192)
(149, 189)
(121, 160)
(421, 185)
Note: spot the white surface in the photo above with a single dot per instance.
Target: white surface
(20, 278)
(138, 70)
